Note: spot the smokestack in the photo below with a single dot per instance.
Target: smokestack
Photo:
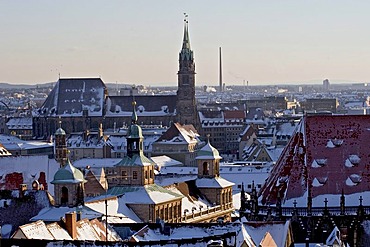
(220, 72)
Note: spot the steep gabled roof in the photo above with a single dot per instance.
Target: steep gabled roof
(327, 154)
(178, 133)
(71, 96)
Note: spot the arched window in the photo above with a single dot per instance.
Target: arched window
(64, 198)
(205, 168)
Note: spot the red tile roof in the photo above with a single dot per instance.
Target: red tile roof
(326, 154)
(237, 114)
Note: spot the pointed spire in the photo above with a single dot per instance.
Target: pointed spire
(242, 200)
(186, 40)
(134, 115)
(342, 204)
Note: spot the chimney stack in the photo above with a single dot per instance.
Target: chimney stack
(71, 224)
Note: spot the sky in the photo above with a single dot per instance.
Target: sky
(138, 41)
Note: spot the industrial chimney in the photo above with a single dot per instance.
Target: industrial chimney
(220, 85)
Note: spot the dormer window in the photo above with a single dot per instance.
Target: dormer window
(337, 142)
(353, 180)
(319, 163)
(354, 159)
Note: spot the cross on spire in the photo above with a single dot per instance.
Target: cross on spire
(326, 202)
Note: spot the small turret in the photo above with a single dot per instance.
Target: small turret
(134, 135)
(208, 161)
(60, 145)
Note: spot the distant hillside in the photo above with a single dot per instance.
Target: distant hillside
(5, 85)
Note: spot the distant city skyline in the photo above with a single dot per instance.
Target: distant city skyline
(138, 42)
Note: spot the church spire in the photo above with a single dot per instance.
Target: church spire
(186, 54)
(186, 40)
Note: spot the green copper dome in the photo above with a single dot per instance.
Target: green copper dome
(68, 174)
(135, 131)
(60, 131)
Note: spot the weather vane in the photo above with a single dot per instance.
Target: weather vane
(185, 17)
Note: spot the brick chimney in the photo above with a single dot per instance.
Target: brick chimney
(22, 190)
(71, 225)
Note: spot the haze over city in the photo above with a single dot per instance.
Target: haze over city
(138, 41)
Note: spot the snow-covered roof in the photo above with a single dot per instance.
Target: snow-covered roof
(163, 160)
(22, 165)
(147, 194)
(217, 182)
(189, 203)
(245, 174)
(19, 123)
(180, 134)
(165, 180)
(14, 143)
(58, 232)
(96, 163)
(52, 214)
(181, 233)
(117, 209)
(34, 230)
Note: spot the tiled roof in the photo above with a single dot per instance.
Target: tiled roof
(146, 104)
(217, 182)
(327, 154)
(234, 114)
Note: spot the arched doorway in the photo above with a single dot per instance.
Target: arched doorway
(64, 198)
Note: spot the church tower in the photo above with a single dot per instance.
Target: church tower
(185, 106)
(68, 181)
(134, 136)
(61, 151)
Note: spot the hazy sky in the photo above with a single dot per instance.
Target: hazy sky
(138, 41)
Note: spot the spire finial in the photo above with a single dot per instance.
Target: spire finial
(185, 18)
(60, 122)
(186, 41)
(134, 115)
(208, 136)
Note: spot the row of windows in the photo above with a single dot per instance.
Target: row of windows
(168, 212)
